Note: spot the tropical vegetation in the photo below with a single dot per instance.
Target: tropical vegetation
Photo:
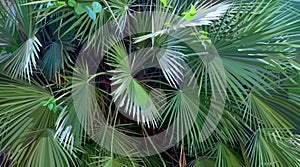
(240, 55)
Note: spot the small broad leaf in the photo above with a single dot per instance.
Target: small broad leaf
(97, 7)
(44, 103)
(164, 2)
(193, 10)
(185, 13)
(58, 3)
(50, 100)
(91, 13)
(51, 106)
(204, 32)
(203, 37)
(189, 15)
(79, 9)
(71, 3)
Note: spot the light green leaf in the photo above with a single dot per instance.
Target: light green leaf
(164, 2)
(190, 15)
(44, 103)
(90, 12)
(193, 10)
(72, 3)
(51, 106)
(79, 9)
(97, 7)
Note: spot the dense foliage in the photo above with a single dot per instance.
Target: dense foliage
(246, 57)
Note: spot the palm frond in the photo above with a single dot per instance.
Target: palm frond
(26, 126)
(251, 32)
(270, 112)
(132, 95)
(204, 16)
(226, 157)
(267, 148)
(23, 59)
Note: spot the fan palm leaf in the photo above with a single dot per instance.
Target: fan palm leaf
(27, 126)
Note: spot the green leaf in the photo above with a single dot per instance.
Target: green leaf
(97, 7)
(79, 9)
(71, 3)
(189, 15)
(50, 106)
(44, 103)
(164, 2)
(90, 12)
(51, 99)
(58, 3)
(203, 37)
(204, 32)
(193, 10)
